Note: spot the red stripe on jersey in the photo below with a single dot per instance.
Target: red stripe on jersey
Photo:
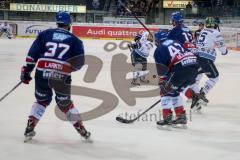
(29, 59)
(179, 57)
(43, 64)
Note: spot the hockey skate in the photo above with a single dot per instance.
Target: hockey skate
(83, 132)
(197, 97)
(144, 80)
(29, 132)
(198, 107)
(180, 121)
(166, 123)
(203, 97)
(135, 82)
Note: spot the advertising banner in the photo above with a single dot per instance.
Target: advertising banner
(121, 32)
(175, 4)
(46, 8)
(110, 31)
(107, 32)
(33, 29)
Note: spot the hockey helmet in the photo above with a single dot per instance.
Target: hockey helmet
(177, 17)
(210, 22)
(160, 36)
(63, 18)
(137, 37)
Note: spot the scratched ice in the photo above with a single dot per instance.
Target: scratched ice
(213, 135)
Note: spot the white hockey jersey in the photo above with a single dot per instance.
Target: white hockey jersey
(208, 40)
(145, 46)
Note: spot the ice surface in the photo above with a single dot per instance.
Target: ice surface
(214, 135)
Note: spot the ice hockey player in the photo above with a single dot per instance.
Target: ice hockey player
(194, 88)
(183, 35)
(177, 69)
(209, 39)
(5, 28)
(140, 50)
(57, 53)
(179, 32)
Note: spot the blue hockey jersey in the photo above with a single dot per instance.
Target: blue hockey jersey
(170, 53)
(180, 33)
(56, 50)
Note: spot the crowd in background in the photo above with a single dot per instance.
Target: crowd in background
(138, 7)
(142, 8)
(203, 8)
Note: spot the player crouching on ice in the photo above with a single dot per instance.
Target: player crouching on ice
(57, 53)
(5, 28)
(140, 50)
(177, 69)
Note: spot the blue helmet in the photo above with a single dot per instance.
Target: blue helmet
(137, 37)
(177, 17)
(160, 36)
(63, 17)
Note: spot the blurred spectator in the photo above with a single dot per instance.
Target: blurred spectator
(217, 20)
(138, 7)
(194, 9)
(95, 4)
(236, 3)
(188, 9)
(218, 3)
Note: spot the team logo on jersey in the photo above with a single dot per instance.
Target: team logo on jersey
(60, 36)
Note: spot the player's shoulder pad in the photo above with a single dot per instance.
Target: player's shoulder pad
(216, 31)
(43, 32)
(167, 42)
(174, 29)
(46, 32)
(209, 30)
(185, 29)
(150, 44)
(61, 34)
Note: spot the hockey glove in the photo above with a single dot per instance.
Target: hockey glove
(134, 45)
(188, 45)
(25, 75)
(165, 86)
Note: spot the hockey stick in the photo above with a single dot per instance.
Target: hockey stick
(127, 121)
(127, 9)
(11, 90)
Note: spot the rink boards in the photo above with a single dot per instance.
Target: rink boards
(26, 29)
